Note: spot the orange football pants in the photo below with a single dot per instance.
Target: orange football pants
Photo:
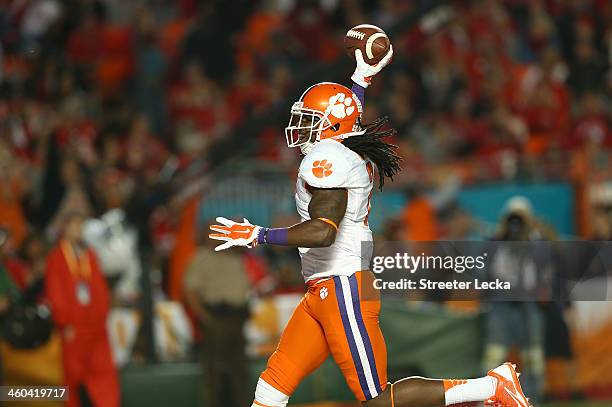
(338, 316)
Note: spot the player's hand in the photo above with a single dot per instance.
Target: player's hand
(364, 72)
(234, 233)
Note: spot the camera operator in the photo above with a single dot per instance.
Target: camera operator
(512, 322)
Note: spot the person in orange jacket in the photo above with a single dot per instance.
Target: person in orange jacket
(79, 299)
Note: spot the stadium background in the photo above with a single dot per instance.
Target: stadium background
(172, 112)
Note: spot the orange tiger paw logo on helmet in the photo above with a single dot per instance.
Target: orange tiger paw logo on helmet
(322, 169)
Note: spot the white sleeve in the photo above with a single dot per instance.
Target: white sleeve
(323, 169)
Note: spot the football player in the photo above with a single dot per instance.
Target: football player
(333, 191)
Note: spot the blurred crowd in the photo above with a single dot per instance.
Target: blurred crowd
(503, 79)
(114, 110)
(102, 101)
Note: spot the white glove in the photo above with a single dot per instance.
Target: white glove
(364, 71)
(234, 233)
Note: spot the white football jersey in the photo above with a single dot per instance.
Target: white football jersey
(329, 164)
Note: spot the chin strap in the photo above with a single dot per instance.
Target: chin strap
(306, 147)
(347, 135)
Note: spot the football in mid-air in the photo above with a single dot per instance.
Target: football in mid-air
(371, 40)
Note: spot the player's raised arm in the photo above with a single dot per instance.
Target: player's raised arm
(326, 209)
(362, 77)
(373, 43)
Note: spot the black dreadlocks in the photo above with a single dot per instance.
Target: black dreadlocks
(382, 154)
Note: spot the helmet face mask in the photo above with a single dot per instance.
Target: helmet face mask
(325, 111)
(305, 126)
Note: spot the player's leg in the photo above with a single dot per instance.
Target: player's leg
(353, 335)
(302, 348)
(356, 342)
(424, 392)
(501, 388)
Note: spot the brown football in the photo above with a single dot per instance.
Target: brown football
(371, 40)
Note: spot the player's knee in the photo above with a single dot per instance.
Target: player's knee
(382, 400)
(266, 394)
(276, 373)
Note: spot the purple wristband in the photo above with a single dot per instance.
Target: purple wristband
(359, 91)
(276, 236)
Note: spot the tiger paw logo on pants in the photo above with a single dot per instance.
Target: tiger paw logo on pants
(322, 169)
(323, 293)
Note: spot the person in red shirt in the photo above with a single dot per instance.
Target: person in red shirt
(79, 300)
